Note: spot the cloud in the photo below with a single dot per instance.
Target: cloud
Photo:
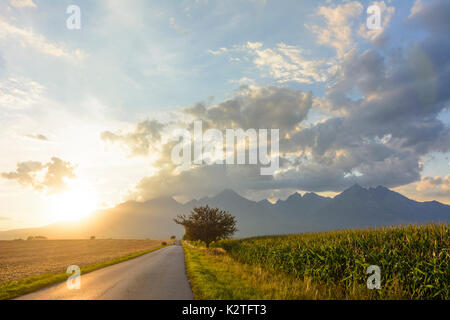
(378, 36)
(252, 107)
(429, 188)
(256, 107)
(378, 138)
(285, 63)
(244, 81)
(440, 185)
(433, 15)
(19, 93)
(49, 177)
(24, 173)
(217, 52)
(23, 3)
(39, 42)
(199, 182)
(338, 32)
(382, 118)
(139, 142)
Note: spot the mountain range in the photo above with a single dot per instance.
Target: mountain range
(356, 207)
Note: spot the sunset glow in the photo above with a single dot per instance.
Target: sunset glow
(73, 204)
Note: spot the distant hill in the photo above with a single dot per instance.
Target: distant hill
(355, 207)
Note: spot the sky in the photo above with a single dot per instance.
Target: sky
(86, 114)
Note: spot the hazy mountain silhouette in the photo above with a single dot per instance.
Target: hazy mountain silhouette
(353, 208)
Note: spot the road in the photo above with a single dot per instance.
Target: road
(157, 275)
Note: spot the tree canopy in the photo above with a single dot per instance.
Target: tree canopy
(207, 224)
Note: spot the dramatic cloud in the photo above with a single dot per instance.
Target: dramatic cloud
(382, 116)
(375, 139)
(49, 177)
(258, 108)
(380, 137)
(433, 14)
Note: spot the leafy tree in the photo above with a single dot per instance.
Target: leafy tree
(207, 224)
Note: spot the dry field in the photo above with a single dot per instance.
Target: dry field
(22, 259)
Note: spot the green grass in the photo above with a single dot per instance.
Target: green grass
(414, 262)
(215, 276)
(13, 289)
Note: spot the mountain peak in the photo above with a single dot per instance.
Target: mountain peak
(161, 200)
(356, 186)
(311, 195)
(265, 202)
(381, 188)
(294, 196)
(227, 193)
(355, 189)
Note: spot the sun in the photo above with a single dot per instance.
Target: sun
(73, 204)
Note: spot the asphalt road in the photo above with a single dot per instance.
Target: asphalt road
(157, 275)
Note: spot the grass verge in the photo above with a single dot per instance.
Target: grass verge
(214, 275)
(13, 289)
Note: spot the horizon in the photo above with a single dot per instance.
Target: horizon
(93, 104)
(274, 203)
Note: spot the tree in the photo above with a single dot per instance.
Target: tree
(207, 224)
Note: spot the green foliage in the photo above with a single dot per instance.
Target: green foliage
(197, 243)
(207, 224)
(414, 260)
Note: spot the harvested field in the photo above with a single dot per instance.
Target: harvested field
(22, 259)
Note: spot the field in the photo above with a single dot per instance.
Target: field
(414, 263)
(29, 265)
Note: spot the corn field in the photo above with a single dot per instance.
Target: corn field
(414, 260)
